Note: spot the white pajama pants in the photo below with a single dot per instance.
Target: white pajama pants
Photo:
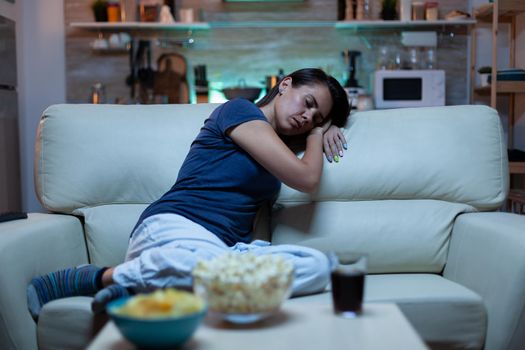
(164, 249)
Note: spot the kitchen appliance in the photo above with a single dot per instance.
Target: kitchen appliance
(10, 196)
(409, 88)
(250, 93)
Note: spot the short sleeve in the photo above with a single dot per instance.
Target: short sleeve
(236, 112)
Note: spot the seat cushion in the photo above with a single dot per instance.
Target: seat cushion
(108, 228)
(68, 324)
(398, 235)
(445, 314)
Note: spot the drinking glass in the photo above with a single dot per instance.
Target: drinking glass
(348, 282)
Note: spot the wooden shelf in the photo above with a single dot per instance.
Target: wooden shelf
(506, 10)
(503, 87)
(152, 26)
(517, 167)
(135, 26)
(401, 24)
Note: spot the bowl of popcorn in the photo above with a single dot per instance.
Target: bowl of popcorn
(164, 318)
(243, 288)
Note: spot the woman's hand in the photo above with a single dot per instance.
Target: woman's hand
(321, 129)
(333, 143)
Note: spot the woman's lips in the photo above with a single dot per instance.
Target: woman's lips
(296, 123)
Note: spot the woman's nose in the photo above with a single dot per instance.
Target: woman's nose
(308, 115)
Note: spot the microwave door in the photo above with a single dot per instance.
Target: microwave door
(403, 92)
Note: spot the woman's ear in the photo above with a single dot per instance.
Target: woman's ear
(285, 84)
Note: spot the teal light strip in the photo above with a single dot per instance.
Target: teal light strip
(273, 24)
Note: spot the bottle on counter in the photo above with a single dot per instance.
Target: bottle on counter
(201, 83)
(98, 94)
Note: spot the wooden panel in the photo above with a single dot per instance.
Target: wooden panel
(504, 87)
(507, 10)
(517, 167)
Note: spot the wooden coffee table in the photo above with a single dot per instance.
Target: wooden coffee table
(299, 325)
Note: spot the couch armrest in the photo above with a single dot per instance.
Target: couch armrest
(31, 247)
(487, 255)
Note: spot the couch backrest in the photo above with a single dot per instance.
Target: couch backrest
(90, 155)
(107, 162)
(454, 153)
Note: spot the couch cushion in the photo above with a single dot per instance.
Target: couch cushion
(399, 236)
(453, 153)
(67, 324)
(107, 229)
(445, 314)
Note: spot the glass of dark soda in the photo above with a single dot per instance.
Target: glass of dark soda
(348, 282)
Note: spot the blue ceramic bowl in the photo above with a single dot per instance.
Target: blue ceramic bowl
(158, 332)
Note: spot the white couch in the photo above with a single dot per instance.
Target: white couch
(417, 189)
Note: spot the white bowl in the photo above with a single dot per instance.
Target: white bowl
(243, 288)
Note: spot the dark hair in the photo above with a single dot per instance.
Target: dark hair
(310, 76)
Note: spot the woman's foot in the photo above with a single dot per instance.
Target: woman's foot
(77, 281)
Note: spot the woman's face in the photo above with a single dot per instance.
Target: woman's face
(299, 109)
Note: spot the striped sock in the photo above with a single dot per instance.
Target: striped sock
(76, 281)
(104, 296)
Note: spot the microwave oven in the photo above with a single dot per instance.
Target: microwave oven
(409, 88)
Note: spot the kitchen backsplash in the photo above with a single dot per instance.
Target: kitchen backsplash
(231, 54)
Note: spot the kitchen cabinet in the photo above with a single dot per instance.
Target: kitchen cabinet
(501, 11)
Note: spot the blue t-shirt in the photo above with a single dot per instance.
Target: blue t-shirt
(219, 185)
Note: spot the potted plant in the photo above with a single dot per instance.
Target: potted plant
(100, 10)
(484, 74)
(389, 10)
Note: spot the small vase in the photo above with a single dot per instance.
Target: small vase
(484, 79)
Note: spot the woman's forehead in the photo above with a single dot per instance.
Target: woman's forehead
(321, 93)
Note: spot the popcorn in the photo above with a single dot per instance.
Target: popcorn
(243, 283)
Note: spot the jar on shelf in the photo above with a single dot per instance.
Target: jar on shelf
(149, 10)
(431, 10)
(362, 10)
(418, 11)
(113, 11)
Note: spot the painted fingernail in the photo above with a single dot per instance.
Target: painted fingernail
(329, 158)
(336, 158)
(345, 146)
(340, 153)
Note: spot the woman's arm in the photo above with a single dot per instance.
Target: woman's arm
(259, 139)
